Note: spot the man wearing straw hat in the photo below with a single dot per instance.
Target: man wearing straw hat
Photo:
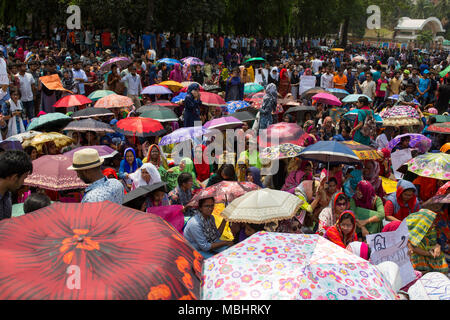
(87, 163)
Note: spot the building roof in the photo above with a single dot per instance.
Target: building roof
(406, 23)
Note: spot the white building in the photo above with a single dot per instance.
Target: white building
(408, 29)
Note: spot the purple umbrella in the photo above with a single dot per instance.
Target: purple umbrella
(156, 89)
(419, 141)
(103, 151)
(182, 134)
(193, 61)
(121, 62)
(223, 123)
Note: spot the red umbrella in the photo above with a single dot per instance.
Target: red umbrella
(50, 172)
(72, 101)
(140, 127)
(286, 133)
(164, 103)
(440, 128)
(224, 192)
(95, 251)
(211, 99)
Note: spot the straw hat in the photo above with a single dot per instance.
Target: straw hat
(86, 159)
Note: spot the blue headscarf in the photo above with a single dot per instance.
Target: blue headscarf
(256, 174)
(127, 165)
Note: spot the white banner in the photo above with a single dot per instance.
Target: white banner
(307, 82)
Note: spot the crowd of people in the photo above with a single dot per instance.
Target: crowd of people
(343, 203)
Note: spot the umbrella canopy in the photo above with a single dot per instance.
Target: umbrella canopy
(168, 61)
(442, 118)
(50, 172)
(98, 94)
(186, 84)
(352, 114)
(24, 136)
(121, 62)
(283, 151)
(103, 151)
(362, 151)
(180, 97)
(258, 96)
(262, 206)
(395, 98)
(233, 106)
(223, 123)
(339, 93)
(49, 122)
(156, 89)
(91, 113)
(418, 141)
(400, 116)
(443, 128)
(172, 85)
(329, 152)
(301, 109)
(106, 245)
(140, 127)
(327, 98)
(431, 165)
(11, 144)
(224, 192)
(256, 59)
(442, 195)
(283, 132)
(114, 101)
(182, 134)
(142, 191)
(284, 266)
(244, 116)
(338, 49)
(211, 99)
(252, 87)
(193, 61)
(212, 88)
(308, 94)
(161, 103)
(351, 98)
(88, 125)
(162, 114)
(39, 140)
(72, 101)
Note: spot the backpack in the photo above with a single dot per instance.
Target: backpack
(369, 128)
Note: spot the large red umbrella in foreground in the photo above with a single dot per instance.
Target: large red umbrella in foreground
(95, 251)
(285, 133)
(140, 127)
(72, 101)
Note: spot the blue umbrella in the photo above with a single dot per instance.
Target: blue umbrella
(339, 93)
(395, 98)
(329, 152)
(352, 114)
(354, 98)
(233, 106)
(168, 61)
(179, 97)
(182, 134)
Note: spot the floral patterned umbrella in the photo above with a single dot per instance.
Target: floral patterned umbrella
(233, 106)
(283, 266)
(39, 140)
(193, 61)
(400, 116)
(114, 101)
(121, 62)
(443, 128)
(282, 151)
(431, 165)
(418, 141)
(95, 251)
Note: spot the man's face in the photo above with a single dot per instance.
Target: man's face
(16, 181)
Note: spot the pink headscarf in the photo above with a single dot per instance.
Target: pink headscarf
(368, 193)
(176, 74)
(361, 249)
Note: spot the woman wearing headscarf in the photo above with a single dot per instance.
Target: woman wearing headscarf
(176, 74)
(146, 175)
(152, 75)
(269, 105)
(156, 157)
(241, 167)
(327, 131)
(234, 87)
(368, 208)
(285, 85)
(343, 232)
(202, 167)
(371, 173)
(192, 105)
(253, 174)
(186, 165)
(273, 76)
(302, 171)
(329, 216)
(128, 165)
(385, 162)
(401, 203)
(295, 82)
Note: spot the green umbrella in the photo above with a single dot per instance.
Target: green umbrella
(441, 118)
(258, 59)
(54, 121)
(160, 113)
(98, 94)
(444, 73)
(252, 87)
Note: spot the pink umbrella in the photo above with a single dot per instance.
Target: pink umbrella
(211, 99)
(327, 98)
(50, 172)
(285, 133)
(103, 151)
(114, 101)
(172, 214)
(223, 123)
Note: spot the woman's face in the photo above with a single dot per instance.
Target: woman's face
(207, 207)
(346, 226)
(358, 194)
(245, 126)
(368, 168)
(154, 154)
(158, 196)
(250, 177)
(145, 175)
(341, 206)
(15, 97)
(52, 148)
(407, 195)
(182, 165)
(249, 230)
(129, 157)
(34, 154)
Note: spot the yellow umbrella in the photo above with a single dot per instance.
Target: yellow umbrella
(59, 139)
(389, 185)
(337, 49)
(362, 151)
(173, 85)
(227, 235)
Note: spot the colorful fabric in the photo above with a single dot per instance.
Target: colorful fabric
(335, 234)
(368, 195)
(394, 204)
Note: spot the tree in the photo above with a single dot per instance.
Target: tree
(425, 37)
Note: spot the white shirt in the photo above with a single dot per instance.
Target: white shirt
(381, 141)
(316, 64)
(326, 81)
(25, 86)
(368, 88)
(134, 84)
(81, 75)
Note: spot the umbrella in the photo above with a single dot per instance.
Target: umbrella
(224, 192)
(88, 125)
(121, 62)
(91, 113)
(211, 88)
(329, 152)
(186, 84)
(418, 141)
(141, 191)
(161, 103)
(49, 122)
(182, 134)
(339, 93)
(443, 128)
(351, 98)
(162, 114)
(193, 61)
(262, 206)
(50, 172)
(362, 151)
(114, 101)
(337, 49)
(244, 116)
(172, 85)
(400, 116)
(282, 266)
(156, 89)
(98, 94)
(59, 139)
(282, 132)
(72, 101)
(258, 96)
(103, 151)
(327, 98)
(168, 61)
(140, 127)
(431, 165)
(301, 109)
(442, 195)
(223, 123)
(311, 92)
(256, 59)
(395, 98)
(11, 144)
(442, 118)
(283, 151)
(252, 87)
(211, 99)
(24, 136)
(180, 97)
(353, 114)
(233, 106)
(96, 251)
(358, 58)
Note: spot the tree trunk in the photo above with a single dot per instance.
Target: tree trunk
(149, 24)
(345, 32)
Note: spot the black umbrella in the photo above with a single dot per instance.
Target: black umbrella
(130, 197)
(311, 92)
(91, 112)
(88, 125)
(301, 109)
(244, 116)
